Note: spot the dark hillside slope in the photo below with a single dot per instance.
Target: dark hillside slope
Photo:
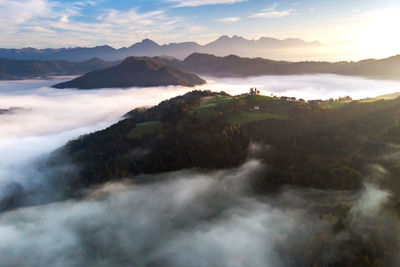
(311, 145)
(234, 66)
(329, 159)
(22, 69)
(134, 71)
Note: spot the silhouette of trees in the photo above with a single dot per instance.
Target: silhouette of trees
(254, 91)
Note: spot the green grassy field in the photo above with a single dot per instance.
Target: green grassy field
(270, 108)
(207, 106)
(251, 116)
(334, 104)
(257, 98)
(215, 101)
(144, 128)
(381, 97)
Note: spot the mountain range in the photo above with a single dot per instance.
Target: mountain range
(134, 71)
(234, 66)
(209, 65)
(23, 69)
(225, 45)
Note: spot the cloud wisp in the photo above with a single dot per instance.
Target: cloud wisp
(184, 218)
(272, 12)
(195, 3)
(43, 21)
(228, 20)
(187, 218)
(47, 118)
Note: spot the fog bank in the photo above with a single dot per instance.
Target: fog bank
(318, 86)
(186, 218)
(47, 118)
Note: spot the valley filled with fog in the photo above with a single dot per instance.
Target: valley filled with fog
(47, 118)
(185, 218)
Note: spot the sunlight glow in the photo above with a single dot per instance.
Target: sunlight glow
(380, 36)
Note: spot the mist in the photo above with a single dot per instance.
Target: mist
(184, 218)
(47, 118)
(308, 87)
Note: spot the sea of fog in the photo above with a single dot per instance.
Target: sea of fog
(165, 224)
(50, 117)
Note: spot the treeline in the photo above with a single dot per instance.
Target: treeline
(182, 142)
(315, 147)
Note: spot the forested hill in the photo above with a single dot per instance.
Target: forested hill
(24, 69)
(338, 154)
(317, 144)
(234, 66)
(134, 71)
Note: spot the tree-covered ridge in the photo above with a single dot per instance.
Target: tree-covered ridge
(236, 66)
(25, 69)
(311, 144)
(329, 152)
(134, 71)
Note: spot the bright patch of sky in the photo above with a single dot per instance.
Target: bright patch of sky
(369, 24)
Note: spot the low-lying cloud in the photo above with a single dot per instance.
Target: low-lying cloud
(48, 117)
(185, 218)
(318, 86)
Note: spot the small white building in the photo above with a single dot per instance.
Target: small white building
(256, 107)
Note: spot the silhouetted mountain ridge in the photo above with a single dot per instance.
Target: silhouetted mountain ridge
(22, 69)
(210, 65)
(222, 46)
(134, 71)
(235, 66)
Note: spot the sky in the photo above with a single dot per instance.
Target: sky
(359, 26)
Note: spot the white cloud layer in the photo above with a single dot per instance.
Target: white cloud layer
(187, 218)
(318, 86)
(228, 20)
(39, 23)
(190, 219)
(50, 117)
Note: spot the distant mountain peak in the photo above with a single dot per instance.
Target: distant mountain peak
(223, 37)
(222, 46)
(148, 41)
(236, 37)
(95, 59)
(233, 38)
(267, 38)
(145, 44)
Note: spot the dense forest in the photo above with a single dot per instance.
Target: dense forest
(334, 146)
(310, 143)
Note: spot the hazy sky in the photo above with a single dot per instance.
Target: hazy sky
(362, 25)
